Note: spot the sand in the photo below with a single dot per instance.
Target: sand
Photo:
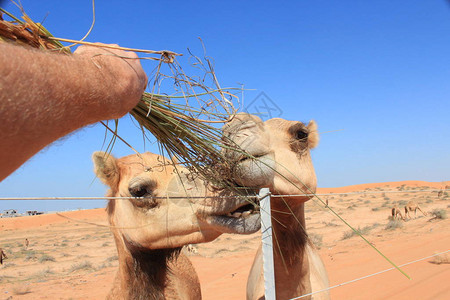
(69, 259)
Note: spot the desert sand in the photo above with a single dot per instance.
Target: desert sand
(75, 257)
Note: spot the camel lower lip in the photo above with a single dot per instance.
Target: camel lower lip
(242, 225)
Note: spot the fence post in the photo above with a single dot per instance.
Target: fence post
(267, 245)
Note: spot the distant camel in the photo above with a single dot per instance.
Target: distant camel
(412, 206)
(27, 243)
(397, 212)
(2, 255)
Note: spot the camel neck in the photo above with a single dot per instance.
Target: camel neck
(290, 259)
(144, 274)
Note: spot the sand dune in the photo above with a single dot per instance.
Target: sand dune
(70, 259)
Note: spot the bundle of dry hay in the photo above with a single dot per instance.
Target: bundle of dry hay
(187, 130)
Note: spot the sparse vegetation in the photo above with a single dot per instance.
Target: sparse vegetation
(112, 258)
(394, 224)
(45, 272)
(375, 208)
(439, 214)
(7, 265)
(85, 265)
(316, 239)
(441, 259)
(45, 258)
(362, 231)
(330, 224)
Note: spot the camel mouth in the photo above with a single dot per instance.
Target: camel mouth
(245, 219)
(243, 211)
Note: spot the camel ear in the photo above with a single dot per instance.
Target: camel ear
(105, 167)
(313, 136)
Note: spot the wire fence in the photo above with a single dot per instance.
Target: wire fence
(223, 197)
(368, 276)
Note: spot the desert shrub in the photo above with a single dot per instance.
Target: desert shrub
(386, 198)
(21, 289)
(45, 258)
(439, 214)
(9, 264)
(112, 258)
(77, 244)
(429, 201)
(375, 208)
(63, 244)
(31, 256)
(394, 224)
(329, 224)
(441, 259)
(105, 244)
(363, 231)
(85, 265)
(104, 265)
(316, 239)
(367, 202)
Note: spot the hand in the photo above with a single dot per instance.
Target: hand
(128, 79)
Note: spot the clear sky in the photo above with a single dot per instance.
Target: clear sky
(378, 70)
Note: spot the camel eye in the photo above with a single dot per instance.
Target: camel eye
(300, 135)
(138, 192)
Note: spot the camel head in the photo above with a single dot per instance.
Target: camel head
(277, 154)
(158, 213)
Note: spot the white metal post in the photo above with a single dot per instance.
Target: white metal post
(267, 245)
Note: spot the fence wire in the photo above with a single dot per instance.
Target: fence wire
(368, 276)
(222, 197)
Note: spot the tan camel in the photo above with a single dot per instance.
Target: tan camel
(396, 212)
(412, 206)
(284, 166)
(149, 232)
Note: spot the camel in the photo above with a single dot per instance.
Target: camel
(412, 206)
(2, 255)
(283, 164)
(158, 217)
(396, 212)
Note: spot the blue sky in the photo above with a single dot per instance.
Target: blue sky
(378, 70)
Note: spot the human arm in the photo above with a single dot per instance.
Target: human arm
(44, 96)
